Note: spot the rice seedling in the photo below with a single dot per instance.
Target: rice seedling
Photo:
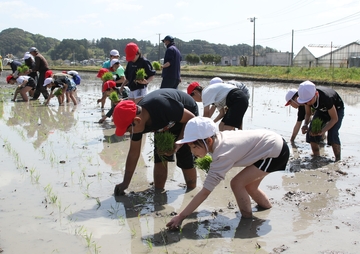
(98, 202)
(114, 97)
(37, 177)
(53, 198)
(140, 74)
(107, 76)
(203, 163)
(149, 243)
(316, 125)
(156, 65)
(164, 142)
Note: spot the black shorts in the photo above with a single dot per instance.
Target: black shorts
(31, 83)
(270, 165)
(237, 103)
(184, 157)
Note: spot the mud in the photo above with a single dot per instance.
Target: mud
(59, 168)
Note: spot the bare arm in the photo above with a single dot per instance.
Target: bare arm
(305, 127)
(131, 162)
(295, 130)
(220, 115)
(194, 203)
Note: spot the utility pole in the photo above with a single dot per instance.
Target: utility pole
(159, 47)
(292, 48)
(253, 20)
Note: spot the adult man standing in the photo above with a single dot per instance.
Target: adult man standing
(41, 66)
(171, 66)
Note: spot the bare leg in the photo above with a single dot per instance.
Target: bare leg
(160, 174)
(190, 177)
(315, 148)
(24, 91)
(73, 97)
(249, 179)
(337, 151)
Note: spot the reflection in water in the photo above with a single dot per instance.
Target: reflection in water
(38, 121)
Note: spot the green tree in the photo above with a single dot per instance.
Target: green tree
(192, 58)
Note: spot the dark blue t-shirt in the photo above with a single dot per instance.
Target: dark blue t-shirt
(173, 56)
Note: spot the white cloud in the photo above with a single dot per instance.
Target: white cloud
(182, 4)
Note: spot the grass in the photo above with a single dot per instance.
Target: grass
(349, 76)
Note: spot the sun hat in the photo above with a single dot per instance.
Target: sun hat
(198, 128)
(108, 84)
(48, 81)
(289, 95)
(48, 74)
(101, 72)
(192, 87)
(114, 61)
(216, 80)
(114, 52)
(131, 50)
(8, 78)
(33, 49)
(124, 114)
(306, 91)
(168, 38)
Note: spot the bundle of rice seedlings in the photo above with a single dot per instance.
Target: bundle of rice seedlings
(316, 125)
(58, 92)
(203, 163)
(114, 97)
(164, 142)
(23, 68)
(140, 74)
(107, 76)
(156, 65)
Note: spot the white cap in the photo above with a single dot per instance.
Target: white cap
(216, 80)
(27, 55)
(48, 81)
(114, 61)
(289, 95)
(198, 128)
(72, 73)
(114, 52)
(306, 91)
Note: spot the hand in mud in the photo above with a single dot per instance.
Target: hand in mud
(175, 223)
(101, 120)
(120, 189)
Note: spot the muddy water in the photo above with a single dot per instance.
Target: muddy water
(59, 168)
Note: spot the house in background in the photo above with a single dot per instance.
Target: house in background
(327, 56)
(270, 59)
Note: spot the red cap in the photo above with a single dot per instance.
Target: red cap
(124, 114)
(48, 74)
(8, 78)
(108, 84)
(65, 72)
(192, 87)
(101, 72)
(131, 50)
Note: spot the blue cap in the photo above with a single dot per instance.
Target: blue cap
(168, 38)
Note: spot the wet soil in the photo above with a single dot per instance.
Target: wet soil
(58, 169)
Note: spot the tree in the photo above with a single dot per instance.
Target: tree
(192, 58)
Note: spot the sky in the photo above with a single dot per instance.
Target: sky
(313, 22)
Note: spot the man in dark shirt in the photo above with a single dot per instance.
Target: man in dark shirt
(159, 111)
(41, 66)
(329, 108)
(171, 66)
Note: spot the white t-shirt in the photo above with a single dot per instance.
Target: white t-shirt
(216, 94)
(240, 148)
(21, 79)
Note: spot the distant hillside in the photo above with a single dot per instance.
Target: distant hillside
(17, 41)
